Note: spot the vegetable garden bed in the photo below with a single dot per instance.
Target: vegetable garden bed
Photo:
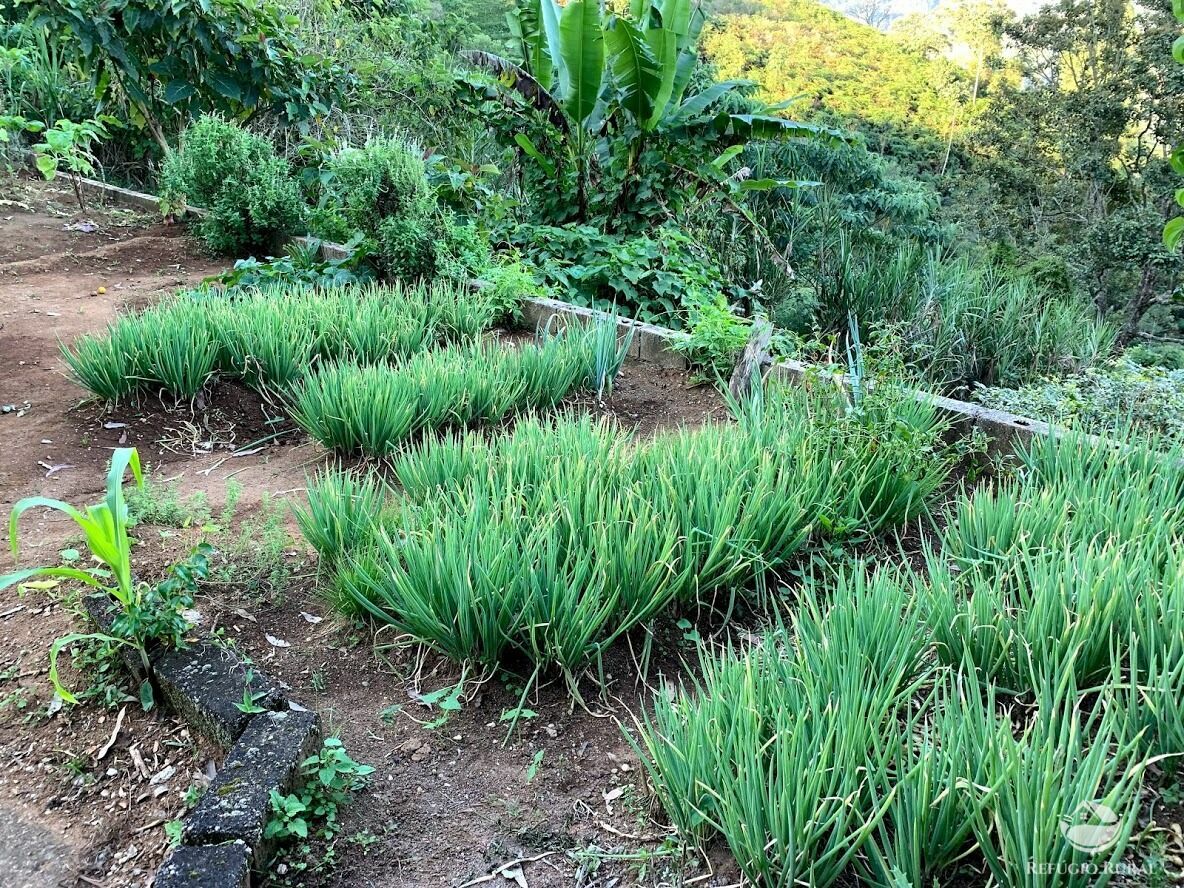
(506, 613)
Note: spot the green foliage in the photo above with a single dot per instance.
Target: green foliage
(960, 322)
(433, 246)
(172, 62)
(651, 277)
(328, 780)
(341, 511)
(1104, 399)
(715, 337)
(158, 503)
(1050, 573)
(785, 747)
(142, 613)
(372, 410)
(384, 179)
(856, 71)
(301, 266)
(554, 540)
(68, 146)
(252, 199)
(508, 283)
(270, 339)
(1054, 139)
(405, 248)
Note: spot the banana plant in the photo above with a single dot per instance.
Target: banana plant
(621, 77)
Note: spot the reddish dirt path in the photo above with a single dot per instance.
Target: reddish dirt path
(66, 816)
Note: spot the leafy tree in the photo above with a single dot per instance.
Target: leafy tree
(171, 60)
(1072, 161)
(1173, 231)
(835, 67)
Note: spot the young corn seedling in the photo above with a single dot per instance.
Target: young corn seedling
(105, 528)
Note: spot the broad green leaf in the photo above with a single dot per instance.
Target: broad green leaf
(47, 165)
(69, 573)
(523, 141)
(1177, 160)
(38, 502)
(549, 19)
(178, 91)
(147, 698)
(1173, 233)
(583, 57)
(700, 102)
(1178, 49)
(634, 69)
(663, 44)
(720, 162)
(769, 184)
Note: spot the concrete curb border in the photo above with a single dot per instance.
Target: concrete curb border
(222, 836)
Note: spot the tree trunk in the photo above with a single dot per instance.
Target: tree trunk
(1137, 307)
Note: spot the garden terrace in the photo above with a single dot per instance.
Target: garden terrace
(551, 533)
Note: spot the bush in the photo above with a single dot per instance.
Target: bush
(1102, 399)
(715, 337)
(386, 179)
(433, 246)
(508, 283)
(649, 277)
(253, 200)
(405, 249)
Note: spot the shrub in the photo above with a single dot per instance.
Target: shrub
(651, 277)
(508, 283)
(1102, 400)
(386, 179)
(253, 200)
(405, 248)
(715, 337)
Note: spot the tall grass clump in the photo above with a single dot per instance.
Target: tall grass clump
(107, 366)
(962, 322)
(341, 512)
(776, 748)
(1045, 780)
(835, 750)
(1056, 569)
(545, 544)
(372, 410)
(271, 340)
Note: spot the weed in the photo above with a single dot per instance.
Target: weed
(160, 504)
(328, 781)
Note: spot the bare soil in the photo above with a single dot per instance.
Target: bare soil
(449, 803)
